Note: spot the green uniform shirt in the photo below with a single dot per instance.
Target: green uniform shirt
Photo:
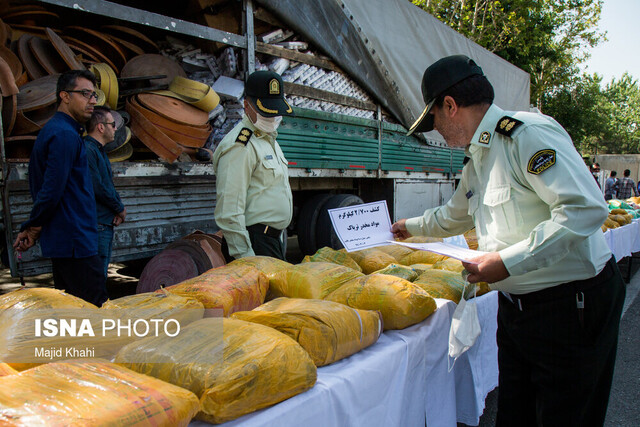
(531, 198)
(252, 185)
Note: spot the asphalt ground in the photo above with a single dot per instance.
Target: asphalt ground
(624, 400)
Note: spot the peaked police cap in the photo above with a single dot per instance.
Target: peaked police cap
(265, 91)
(437, 78)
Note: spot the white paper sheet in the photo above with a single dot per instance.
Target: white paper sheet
(452, 251)
(362, 226)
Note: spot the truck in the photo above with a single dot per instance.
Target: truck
(335, 160)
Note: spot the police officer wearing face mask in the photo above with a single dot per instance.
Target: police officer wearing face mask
(254, 204)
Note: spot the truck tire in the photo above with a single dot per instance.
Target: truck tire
(307, 221)
(325, 234)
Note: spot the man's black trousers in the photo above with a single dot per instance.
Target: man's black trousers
(556, 359)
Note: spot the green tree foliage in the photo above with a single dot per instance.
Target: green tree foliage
(607, 118)
(550, 39)
(578, 108)
(546, 38)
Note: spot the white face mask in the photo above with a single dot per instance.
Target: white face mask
(267, 124)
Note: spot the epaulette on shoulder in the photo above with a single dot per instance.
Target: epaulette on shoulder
(244, 136)
(507, 125)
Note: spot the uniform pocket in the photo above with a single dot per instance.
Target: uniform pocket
(505, 214)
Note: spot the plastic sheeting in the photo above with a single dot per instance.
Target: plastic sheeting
(400, 302)
(402, 271)
(260, 366)
(311, 280)
(327, 254)
(442, 284)
(230, 288)
(6, 370)
(372, 259)
(327, 330)
(411, 381)
(385, 46)
(92, 393)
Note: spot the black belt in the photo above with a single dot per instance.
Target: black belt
(265, 229)
(564, 289)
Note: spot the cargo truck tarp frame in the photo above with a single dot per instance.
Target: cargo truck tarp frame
(385, 46)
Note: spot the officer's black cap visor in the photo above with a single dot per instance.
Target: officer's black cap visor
(271, 107)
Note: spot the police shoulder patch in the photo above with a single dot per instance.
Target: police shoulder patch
(244, 136)
(507, 125)
(541, 161)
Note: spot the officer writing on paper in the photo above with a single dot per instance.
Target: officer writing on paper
(538, 214)
(254, 204)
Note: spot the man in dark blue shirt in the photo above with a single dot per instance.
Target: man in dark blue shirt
(101, 129)
(64, 208)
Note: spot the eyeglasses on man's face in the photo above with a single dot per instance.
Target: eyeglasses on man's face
(86, 93)
(113, 123)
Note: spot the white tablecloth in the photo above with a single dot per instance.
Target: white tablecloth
(401, 380)
(625, 240)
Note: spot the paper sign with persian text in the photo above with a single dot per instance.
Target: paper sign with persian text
(362, 226)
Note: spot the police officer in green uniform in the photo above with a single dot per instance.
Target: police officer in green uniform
(254, 204)
(538, 214)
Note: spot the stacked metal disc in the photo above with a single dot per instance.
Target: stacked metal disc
(181, 260)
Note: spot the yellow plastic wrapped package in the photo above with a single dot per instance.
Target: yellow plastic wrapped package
(402, 271)
(449, 264)
(41, 298)
(259, 366)
(327, 330)
(20, 310)
(311, 280)
(230, 288)
(268, 265)
(327, 254)
(422, 257)
(442, 284)
(421, 268)
(372, 259)
(396, 251)
(400, 302)
(92, 393)
(152, 305)
(6, 370)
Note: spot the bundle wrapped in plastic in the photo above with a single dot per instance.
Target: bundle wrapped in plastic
(422, 257)
(328, 331)
(161, 305)
(327, 254)
(449, 264)
(95, 393)
(268, 265)
(20, 310)
(258, 366)
(41, 298)
(442, 284)
(421, 268)
(372, 259)
(6, 370)
(471, 238)
(400, 302)
(402, 271)
(230, 288)
(311, 280)
(396, 251)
